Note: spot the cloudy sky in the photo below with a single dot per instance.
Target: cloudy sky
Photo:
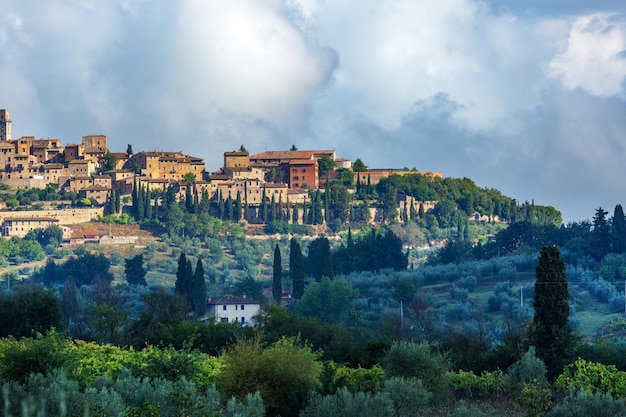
(526, 96)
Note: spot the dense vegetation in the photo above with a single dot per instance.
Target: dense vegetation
(377, 327)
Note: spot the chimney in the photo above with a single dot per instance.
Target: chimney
(244, 295)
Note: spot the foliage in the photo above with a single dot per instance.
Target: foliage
(330, 301)
(408, 395)
(41, 354)
(277, 276)
(593, 378)
(343, 403)
(416, 360)
(358, 379)
(27, 310)
(484, 385)
(283, 373)
(550, 331)
(135, 272)
(583, 404)
(528, 370)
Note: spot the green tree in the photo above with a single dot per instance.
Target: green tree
(108, 163)
(296, 268)
(284, 374)
(277, 275)
(618, 230)
(135, 272)
(601, 237)
(319, 262)
(550, 331)
(359, 166)
(325, 164)
(199, 292)
(184, 279)
(330, 301)
(129, 149)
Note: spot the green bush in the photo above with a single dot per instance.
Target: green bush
(526, 370)
(416, 360)
(408, 395)
(584, 404)
(594, 378)
(343, 404)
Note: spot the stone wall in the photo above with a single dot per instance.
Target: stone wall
(65, 216)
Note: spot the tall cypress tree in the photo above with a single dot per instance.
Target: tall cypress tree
(198, 296)
(277, 286)
(148, 204)
(228, 215)
(273, 214)
(263, 207)
(184, 279)
(601, 235)
(618, 230)
(134, 195)
(237, 208)
(141, 200)
(550, 331)
(296, 268)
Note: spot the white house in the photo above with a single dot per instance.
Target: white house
(233, 308)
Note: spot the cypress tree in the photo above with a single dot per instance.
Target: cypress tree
(148, 204)
(550, 331)
(326, 203)
(237, 208)
(272, 216)
(413, 212)
(111, 203)
(277, 287)
(220, 205)
(188, 198)
(618, 230)
(263, 207)
(601, 235)
(134, 271)
(141, 199)
(294, 216)
(184, 279)
(117, 201)
(229, 208)
(134, 195)
(198, 297)
(296, 268)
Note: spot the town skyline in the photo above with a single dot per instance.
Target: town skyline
(526, 97)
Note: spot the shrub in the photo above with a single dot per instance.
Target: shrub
(528, 370)
(408, 395)
(583, 404)
(343, 403)
(416, 360)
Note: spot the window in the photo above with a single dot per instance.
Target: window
(242, 306)
(224, 308)
(243, 320)
(295, 178)
(224, 319)
(236, 306)
(303, 169)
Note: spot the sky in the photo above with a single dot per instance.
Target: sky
(524, 96)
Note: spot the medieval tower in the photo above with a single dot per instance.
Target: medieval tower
(5, 125)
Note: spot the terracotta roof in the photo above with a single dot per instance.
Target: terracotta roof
(96, 188)
(230, 299)
(282, 155)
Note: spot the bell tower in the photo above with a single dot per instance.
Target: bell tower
(5, 125)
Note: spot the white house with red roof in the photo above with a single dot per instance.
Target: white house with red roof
(232, 308)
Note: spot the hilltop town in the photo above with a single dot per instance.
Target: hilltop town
(99, 174)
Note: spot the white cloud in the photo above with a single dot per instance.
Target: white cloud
(595, 56)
